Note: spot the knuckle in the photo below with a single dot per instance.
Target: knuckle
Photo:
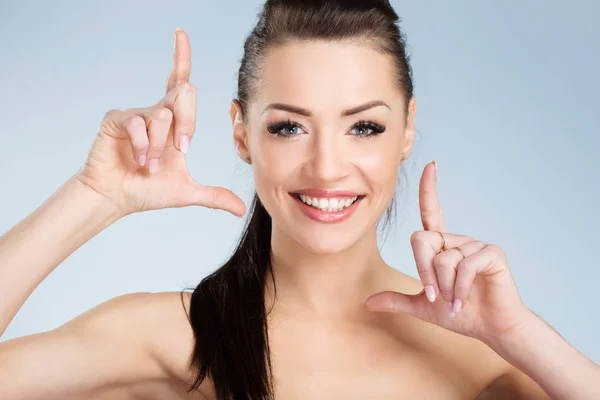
(427, 213)
(438, 263)
(417, 236)
(111, 114)
(465, 266)
(135, 122)
(494, 248)
(156, 149)
(443, 260)
(187, 88)
(162, 114)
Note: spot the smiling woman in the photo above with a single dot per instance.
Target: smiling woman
(306, 306)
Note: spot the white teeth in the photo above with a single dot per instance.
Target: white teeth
(323, 204)
(328, 205)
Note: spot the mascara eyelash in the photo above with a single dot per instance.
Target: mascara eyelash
(376, 128)
(276, 127)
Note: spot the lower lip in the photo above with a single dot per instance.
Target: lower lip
(324, 216)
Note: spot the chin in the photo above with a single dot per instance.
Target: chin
(323, 242)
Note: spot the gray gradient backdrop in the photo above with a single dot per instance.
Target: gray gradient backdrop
(507, 104)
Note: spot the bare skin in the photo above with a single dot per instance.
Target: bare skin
(138, 346)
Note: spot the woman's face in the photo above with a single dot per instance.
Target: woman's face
(301, 140)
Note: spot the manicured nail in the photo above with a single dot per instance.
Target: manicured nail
(142, 160)
(450, 309)
(184, 144)
(457, 305)
(430, 293)
(153, 165)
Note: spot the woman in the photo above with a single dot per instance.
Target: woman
(306, 307)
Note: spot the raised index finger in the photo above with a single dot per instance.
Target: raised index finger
(431, 211)
(182, 61)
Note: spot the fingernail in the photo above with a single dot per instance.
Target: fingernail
(450, 309)
(177, 29)
(184, 144)
(142, 160)
(430, 293)
(153, 165)
(435, 163)
(457, 305)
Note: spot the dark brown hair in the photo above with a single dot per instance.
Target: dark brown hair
(227, 311)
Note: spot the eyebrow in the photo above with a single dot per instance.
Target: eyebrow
(306, 113)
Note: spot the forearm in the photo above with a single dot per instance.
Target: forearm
(32, 249)
(547, 358)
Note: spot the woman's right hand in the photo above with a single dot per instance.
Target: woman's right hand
(137, 160)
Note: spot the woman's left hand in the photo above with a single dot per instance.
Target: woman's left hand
(474, 295)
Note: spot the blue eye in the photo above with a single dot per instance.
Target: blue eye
(286, 129)
(366, 126)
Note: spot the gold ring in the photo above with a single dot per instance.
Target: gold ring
(443, 248)
(460, 251)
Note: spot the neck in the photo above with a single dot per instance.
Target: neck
(326, 284)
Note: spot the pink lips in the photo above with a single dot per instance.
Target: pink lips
(324, 216)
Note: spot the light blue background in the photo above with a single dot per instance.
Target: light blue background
(507, 103)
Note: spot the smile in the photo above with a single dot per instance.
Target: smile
(328, 204)
(327, 209)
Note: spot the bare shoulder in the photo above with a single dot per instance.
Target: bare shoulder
(132, 345)
(135, 316)
(158, 323)
(171, 337)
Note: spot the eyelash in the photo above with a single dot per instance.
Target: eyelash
(276, 128)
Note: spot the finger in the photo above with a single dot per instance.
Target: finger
(390, 301)
(212, 197)
(480, 258)
(158, 125)
(431, 211)
(182, 100)
(133, 125)
(424, 254)
(448, 265)
(182, 61)
(416, 305)
(445, 265)
(426, 246)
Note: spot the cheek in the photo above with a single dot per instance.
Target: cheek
(273, 164)
(379, 164)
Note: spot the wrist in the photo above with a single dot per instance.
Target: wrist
(70, 217)
(91, 201)
(526, 322)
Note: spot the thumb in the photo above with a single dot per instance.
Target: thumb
(416, 305)
(195, 194)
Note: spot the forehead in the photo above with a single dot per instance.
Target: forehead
(326, 76)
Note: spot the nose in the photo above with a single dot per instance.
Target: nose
(328, 157)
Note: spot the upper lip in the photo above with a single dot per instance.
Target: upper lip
(327, 193)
